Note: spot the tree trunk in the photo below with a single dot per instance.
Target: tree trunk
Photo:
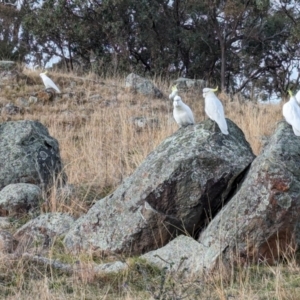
(223, 64)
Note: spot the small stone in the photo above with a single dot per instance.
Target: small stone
(19, 198)
(43, 229)
(7, 242)
(7, 65)
(142, 85)
(32, 100)
(11, 109)
(22, 102)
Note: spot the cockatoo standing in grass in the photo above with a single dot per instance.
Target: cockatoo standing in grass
(214, 109)
(291, 113)
(48, 82)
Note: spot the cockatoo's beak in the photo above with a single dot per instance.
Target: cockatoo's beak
(290, 93)
(214, 90)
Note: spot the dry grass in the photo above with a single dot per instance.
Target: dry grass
(100, 146)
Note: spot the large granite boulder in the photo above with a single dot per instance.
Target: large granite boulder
(19, 198)
(43, 230)
(178, 187)
(142, 86)
(261, 222)
(28, 154)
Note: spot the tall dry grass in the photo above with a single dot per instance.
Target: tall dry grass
(100, 145)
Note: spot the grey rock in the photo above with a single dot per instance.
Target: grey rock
(19, 198)
(186, 83)
(9, 78)
(7, 65)
(177, 188)
(113, 267)
(261, 221)
(4, 223)
(143, 122)
(43, 229)
(183, 256)
(7, 242)
(142, 85)
(11, 109)
(32, 100)
(96, 97)
(22, 102)
(28, 154)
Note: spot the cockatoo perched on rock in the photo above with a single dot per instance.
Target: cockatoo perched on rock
(48, 82)
(181, 112)
(214, 109)
(291, 113)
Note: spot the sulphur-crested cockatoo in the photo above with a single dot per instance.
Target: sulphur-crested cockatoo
(291, 113)
(174, 92)
(298, 97)
(48, 82)
(182, 113)
(214, 109)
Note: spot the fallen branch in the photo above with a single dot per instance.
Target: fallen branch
(53, 263)
(106, 268)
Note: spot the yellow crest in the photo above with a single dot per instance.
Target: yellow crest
(174, 88)
(290, 93)
(214, 90)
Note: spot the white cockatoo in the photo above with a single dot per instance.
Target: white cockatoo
(174, 92)
(214, 108)
(298, 97)
(183, 115)
(48, 82)
(291, 113)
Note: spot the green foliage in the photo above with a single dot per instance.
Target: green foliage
(230, 43)
(11, 47)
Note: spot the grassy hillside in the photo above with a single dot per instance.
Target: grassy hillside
(100, 145)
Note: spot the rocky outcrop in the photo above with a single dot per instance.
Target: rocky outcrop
(187, 83)
(182, 256)
(261, 222)
(177, 189)
(19, 198)
(142, 86)
(7, 242)
(28, 154)
(43, 230)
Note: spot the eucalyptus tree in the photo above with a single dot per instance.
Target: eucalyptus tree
(11, 44)
(66, 29)
(240, 45)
